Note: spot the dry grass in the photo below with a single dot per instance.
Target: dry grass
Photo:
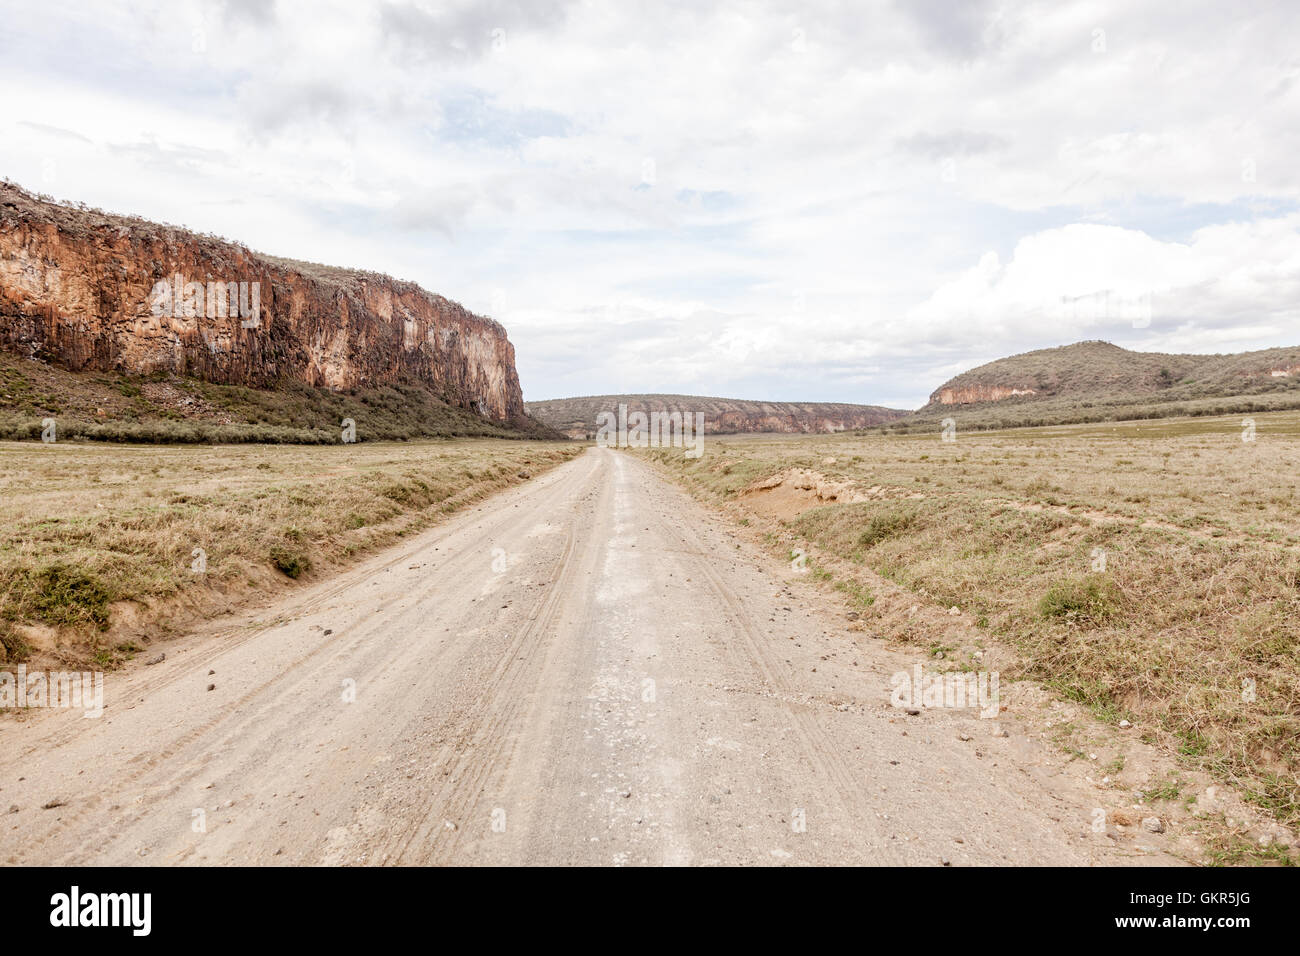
(89, 527)
(1191, 629)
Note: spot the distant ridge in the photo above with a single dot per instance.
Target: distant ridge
(576, 417)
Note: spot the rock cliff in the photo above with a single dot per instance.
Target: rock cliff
(87, 290)
(979, 393)
(576, 417)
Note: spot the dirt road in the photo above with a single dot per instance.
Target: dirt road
(588, 669)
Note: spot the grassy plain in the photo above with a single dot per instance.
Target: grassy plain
(94, 535)
(1148, 570)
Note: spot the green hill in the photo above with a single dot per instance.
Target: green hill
(1098, 381)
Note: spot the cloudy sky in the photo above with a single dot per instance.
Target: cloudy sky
(822, 201)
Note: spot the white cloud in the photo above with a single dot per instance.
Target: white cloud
(1230, 283)
(928, 185)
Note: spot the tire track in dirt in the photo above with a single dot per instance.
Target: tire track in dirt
(821, 753)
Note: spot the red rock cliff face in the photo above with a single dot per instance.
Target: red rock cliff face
(80, 289)
(978, 393)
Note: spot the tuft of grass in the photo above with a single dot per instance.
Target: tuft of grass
(111, 658)
(1169, 789)
(293, 564)
(1228, 847)
(859, 595)
(13, 649)
(70, 597)
(1090, 600)
(880, 527)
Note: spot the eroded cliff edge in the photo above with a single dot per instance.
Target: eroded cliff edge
(79, 289)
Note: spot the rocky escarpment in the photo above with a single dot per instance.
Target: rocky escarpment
(576, 417)
(979, 393)
(85, 290)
